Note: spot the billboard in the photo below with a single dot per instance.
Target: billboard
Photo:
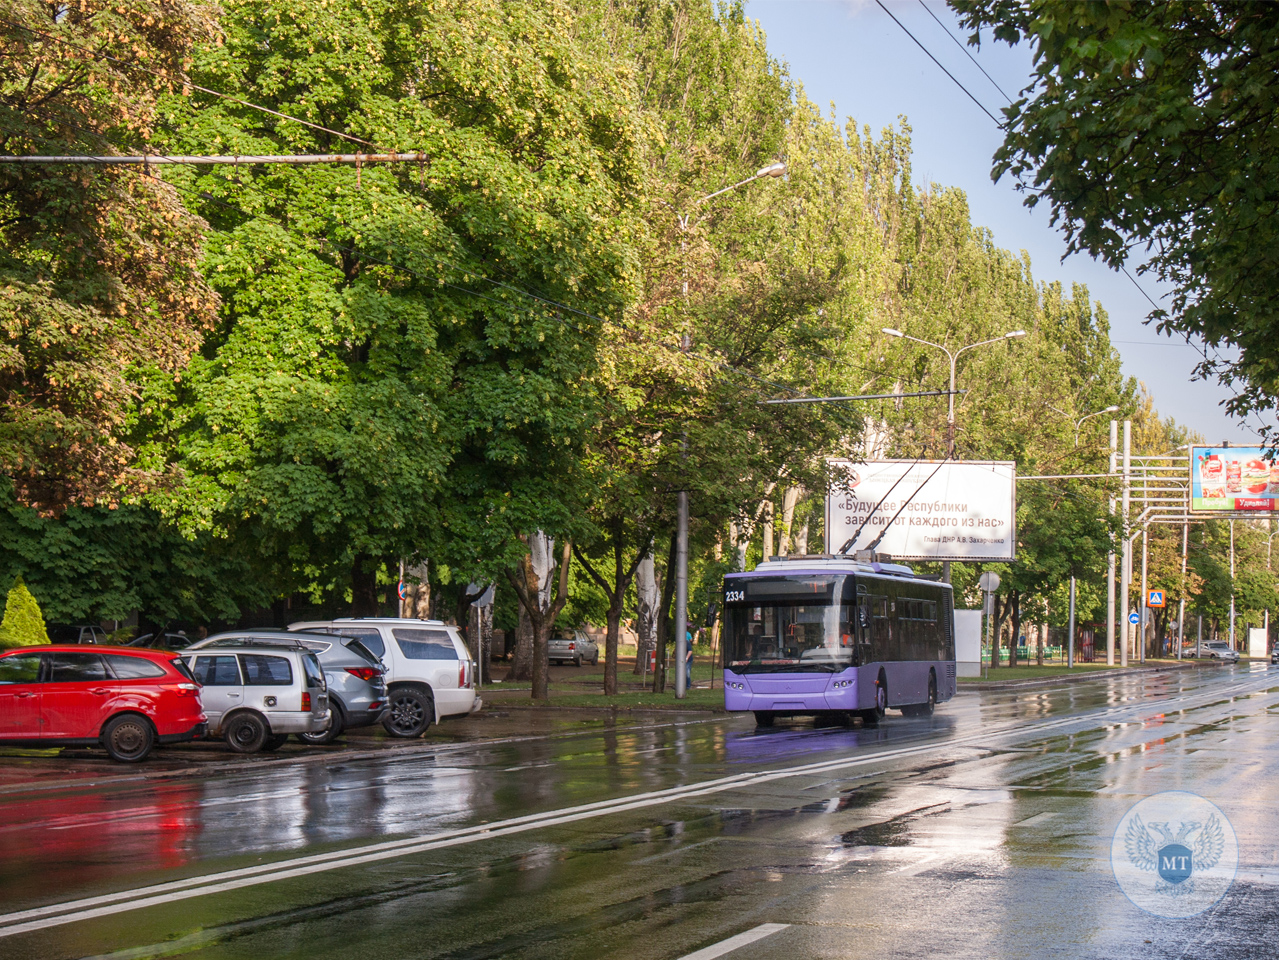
(1230, 479)
(944, 511)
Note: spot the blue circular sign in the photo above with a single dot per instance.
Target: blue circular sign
(1134, 618)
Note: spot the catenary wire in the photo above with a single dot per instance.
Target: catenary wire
(967, 52)
(980, 105)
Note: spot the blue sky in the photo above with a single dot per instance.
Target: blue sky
(850, 52)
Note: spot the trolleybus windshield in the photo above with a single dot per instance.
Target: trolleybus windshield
(787, 624)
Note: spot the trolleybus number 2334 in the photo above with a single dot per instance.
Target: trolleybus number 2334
(835, 636)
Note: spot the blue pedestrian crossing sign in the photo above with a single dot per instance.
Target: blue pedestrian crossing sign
(1134, 618)
(1155, 598)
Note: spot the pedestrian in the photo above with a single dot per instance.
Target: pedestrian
(688, 661)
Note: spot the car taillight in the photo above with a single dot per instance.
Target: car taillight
(365, 673)
(188, 690)
(461, 674)
(572, 647)
(306, 702)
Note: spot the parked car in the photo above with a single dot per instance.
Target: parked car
(255, 696)
(1274, 655)
(77, 633)
(573, 650)
(125, 700)
(429, 671)
(163, 641)
(354, 676)
(1220, 650)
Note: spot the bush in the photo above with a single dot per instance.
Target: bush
(23, 624)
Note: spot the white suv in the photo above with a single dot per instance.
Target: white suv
(429, 671)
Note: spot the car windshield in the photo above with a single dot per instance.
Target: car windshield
(1218, 645)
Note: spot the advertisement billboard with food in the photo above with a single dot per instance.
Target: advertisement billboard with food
(1231, 479)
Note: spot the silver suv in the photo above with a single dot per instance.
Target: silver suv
(256, 696)
(353, 674)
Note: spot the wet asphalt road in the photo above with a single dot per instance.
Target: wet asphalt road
(983, 831)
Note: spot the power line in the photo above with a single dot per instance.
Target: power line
(967, 52)
(980, 105)
(227, 160)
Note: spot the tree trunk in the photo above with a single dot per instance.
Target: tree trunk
(616, 593)
(789, 499)
(363, 586)
(766, 546)
(647, 597)
(801, 540)
(416, 604)
(534, 592)
(522, 655)
(1012, 650)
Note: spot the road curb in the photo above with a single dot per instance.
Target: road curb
(1025, 682)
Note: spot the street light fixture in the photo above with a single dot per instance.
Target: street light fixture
(1088, 416)
(681, 532)
(953, 356)
(950, 411)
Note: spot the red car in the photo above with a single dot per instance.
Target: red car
(125, 698)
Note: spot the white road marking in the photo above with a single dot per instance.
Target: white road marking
(1035, 820)
(89, 908)
(732, 943)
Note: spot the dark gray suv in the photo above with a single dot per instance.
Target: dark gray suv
(355, 677)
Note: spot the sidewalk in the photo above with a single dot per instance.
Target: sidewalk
(1079, 675)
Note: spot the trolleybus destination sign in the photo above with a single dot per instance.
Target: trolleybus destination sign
(925, 510)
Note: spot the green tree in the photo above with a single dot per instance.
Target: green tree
(404, 359)
(1150, 125)
(23, 624)
(99, 275)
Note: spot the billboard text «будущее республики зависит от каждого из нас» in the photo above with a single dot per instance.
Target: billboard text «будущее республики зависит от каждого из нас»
(947, 511)
(1233, 479)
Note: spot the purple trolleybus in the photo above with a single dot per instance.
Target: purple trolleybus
(838, 637)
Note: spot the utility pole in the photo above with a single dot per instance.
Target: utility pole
(1145, 595)
(1232, 585)
(1070, 630)
(681, 532)
(1181, 606)
(1110, 557)
(1125, 586)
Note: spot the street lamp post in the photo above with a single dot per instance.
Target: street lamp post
(953, 356)
(1087, 416)
(681, 533)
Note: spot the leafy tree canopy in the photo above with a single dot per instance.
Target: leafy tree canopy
(1151, 124)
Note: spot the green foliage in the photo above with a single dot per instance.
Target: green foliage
(23, 624)
(1149, 124)
(98, 563)
(99, 272)
(370, 395)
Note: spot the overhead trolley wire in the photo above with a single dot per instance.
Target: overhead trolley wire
(980, 105)
(967, 52)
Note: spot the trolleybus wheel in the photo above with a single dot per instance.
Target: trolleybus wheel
(763, 718)
(872, 716)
